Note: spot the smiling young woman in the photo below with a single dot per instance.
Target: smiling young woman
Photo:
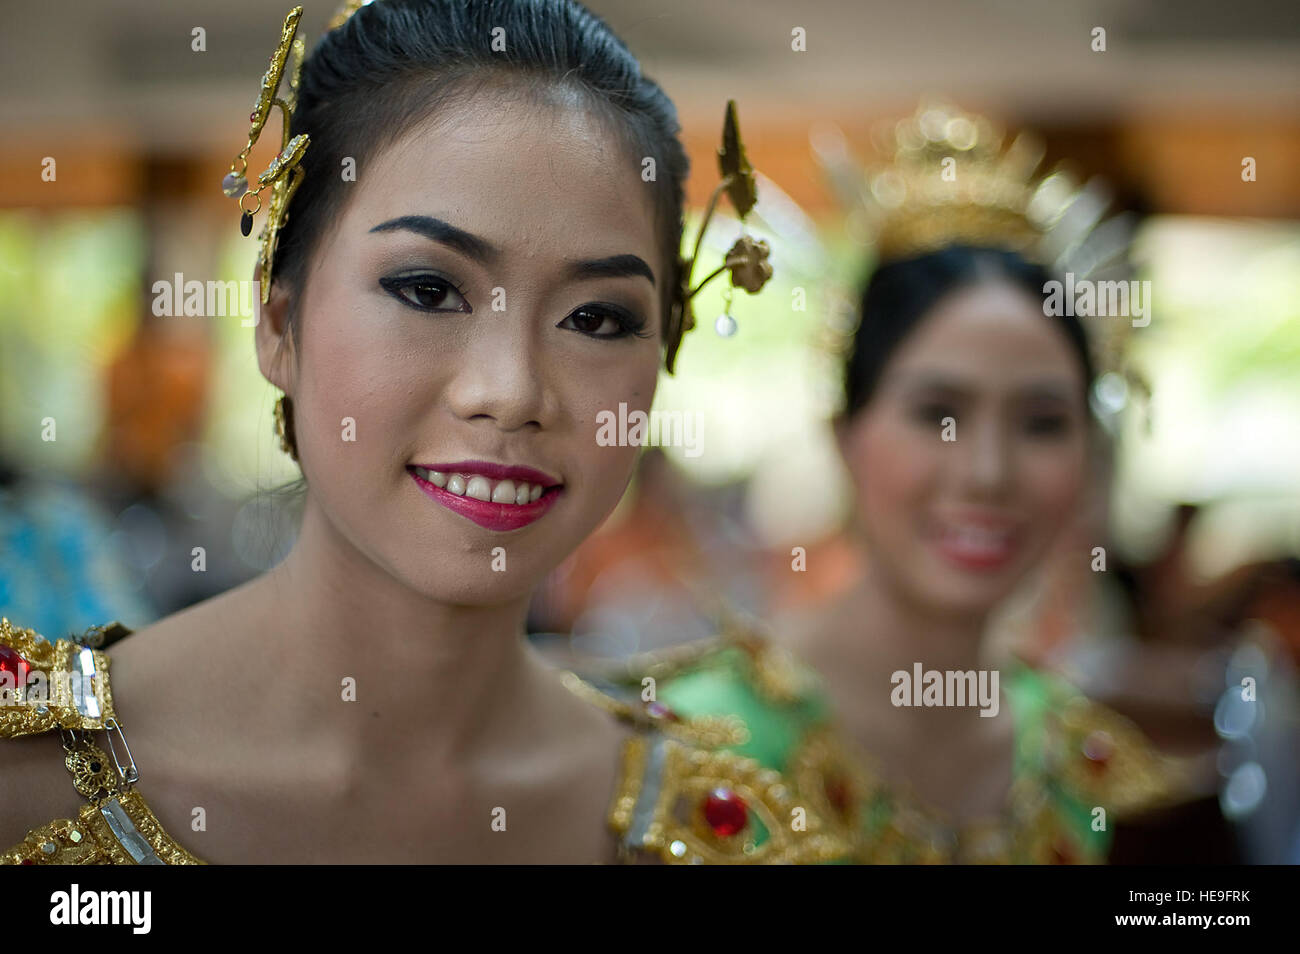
(446, 329)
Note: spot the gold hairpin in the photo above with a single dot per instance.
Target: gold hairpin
(284, 174)
(747, 259)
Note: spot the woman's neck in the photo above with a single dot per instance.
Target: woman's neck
(459, 676)
(898, 631)
(953, 758)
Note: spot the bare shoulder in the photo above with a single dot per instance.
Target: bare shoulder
(168, 681)
(185, 634)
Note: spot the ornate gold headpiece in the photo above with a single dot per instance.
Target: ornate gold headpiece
(947, 180)
(284, 174)
(747, 259)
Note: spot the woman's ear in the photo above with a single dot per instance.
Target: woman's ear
(274, 343)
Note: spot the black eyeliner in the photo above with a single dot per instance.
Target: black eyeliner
(392, 284)
(629, 322)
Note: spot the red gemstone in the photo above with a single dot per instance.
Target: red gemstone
(252, 117)
(15, 665)
(837, 791)
(725, 811)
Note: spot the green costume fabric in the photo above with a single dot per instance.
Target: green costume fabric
(723, 683)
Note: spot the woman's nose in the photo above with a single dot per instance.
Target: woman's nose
(985, 456)
(501, 377)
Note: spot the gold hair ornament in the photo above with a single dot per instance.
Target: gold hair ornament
(284, 174)
(747, 259)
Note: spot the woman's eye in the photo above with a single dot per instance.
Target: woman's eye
(603, 322)
(932, 413)
(428, 293)
(1047, 425)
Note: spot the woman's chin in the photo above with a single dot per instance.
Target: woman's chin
(477, 588)
(958, 592)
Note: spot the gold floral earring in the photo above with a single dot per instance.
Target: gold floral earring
(284, 426)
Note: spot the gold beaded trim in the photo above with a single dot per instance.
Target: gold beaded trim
(90, 839)
(709, 731)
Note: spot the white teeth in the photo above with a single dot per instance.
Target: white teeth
(978, 538)
(515, 492)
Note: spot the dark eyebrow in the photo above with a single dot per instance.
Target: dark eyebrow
(1047, 390)
(615, 266)
(466, 243)
(930, 383)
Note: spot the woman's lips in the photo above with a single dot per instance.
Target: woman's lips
(516, 496)
(975, 547)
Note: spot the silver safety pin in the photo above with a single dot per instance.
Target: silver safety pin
(130, 774)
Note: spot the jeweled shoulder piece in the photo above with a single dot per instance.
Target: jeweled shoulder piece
(689, 805)
(746, 260)
(46, 686)
(1107, 759)
(284, 174)
(683, 798)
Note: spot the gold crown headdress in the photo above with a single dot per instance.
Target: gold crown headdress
(747, 259)
(947, 180)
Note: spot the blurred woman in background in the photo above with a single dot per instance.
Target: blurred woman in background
(968, 436)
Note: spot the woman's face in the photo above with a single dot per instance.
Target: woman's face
(492, 285)
(956, 515)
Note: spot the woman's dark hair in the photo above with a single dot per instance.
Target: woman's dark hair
(900, 294)
(395, 63)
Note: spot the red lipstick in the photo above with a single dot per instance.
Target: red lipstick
(499, 517)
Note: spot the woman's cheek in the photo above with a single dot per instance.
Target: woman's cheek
(893, 470)
(1052, 484)
(603, 471)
